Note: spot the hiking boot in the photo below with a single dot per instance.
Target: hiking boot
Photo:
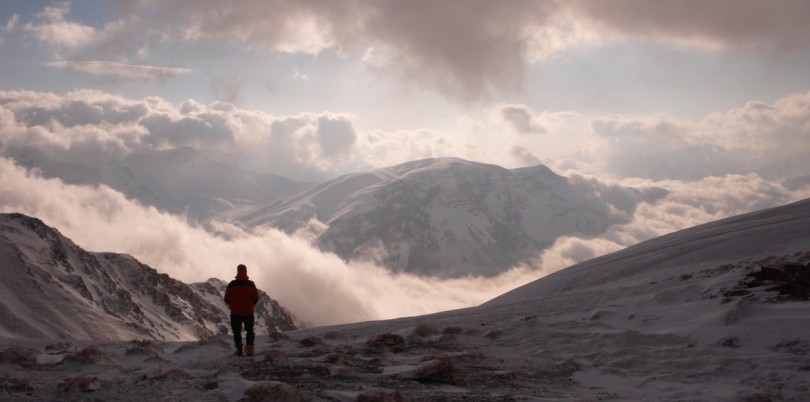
(238, 351)
(249, 350)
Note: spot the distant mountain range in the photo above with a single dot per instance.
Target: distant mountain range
(448, 217)
(53, 289)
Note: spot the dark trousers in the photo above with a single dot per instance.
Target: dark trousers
(236, 326)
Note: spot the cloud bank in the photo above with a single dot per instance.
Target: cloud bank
(319, 287)
(771, 140)
(91, 127)
(85, 127)
(94, 126)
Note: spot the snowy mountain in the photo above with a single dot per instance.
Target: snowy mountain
(179, 181)
(719, 312)
(448, 217)
(52, 289)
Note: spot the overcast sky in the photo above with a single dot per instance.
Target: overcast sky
(708, 99)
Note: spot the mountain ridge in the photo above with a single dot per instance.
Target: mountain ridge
(787, 226)
(54, 289)
(449, 217)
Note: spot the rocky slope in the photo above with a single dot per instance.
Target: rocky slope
(53, 289)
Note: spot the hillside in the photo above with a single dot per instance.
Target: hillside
(53, 289)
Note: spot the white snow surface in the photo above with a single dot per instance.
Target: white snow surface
(675, 318)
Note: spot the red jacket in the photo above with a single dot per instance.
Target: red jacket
(241, 295)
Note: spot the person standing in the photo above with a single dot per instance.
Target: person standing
(241, 297)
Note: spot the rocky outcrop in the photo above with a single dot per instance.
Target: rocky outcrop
(55, 289)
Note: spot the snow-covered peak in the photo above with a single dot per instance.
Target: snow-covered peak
(445, 217)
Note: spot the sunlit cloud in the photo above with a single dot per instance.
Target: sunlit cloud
(778, 25)
(51, 27)
(302, 146)
(768, 139)
(772, 140)
(11, 23)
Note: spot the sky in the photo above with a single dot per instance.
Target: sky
(707, 99)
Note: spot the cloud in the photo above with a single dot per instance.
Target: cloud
(772, 140)
(783, 127)
(11, 23)
(319, 288)
(121, 71)
(444, 46)
(778, 25)
(377, 148)
(226, 88)
(524, 156)
(10, 26)
(335, 135)
(470, 50)
(522, 119)
(671, 205)
(307, 146)
(51, 27)
(467, 50)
